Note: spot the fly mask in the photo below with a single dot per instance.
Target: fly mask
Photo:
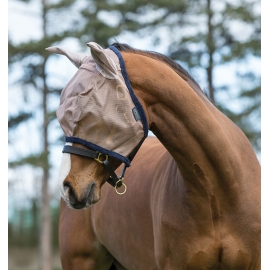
(99, 110)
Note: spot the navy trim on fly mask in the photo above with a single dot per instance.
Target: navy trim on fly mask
(131, 92)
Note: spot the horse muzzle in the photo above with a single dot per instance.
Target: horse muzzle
(74, 200)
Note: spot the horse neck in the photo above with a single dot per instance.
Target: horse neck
(204, 143)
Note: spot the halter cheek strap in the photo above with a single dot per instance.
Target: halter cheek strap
(113, 180)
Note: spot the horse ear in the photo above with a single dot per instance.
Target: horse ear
(105, 64)
(75, 58)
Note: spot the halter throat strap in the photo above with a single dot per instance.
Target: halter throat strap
(113, 180)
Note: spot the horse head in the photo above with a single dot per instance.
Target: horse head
(103, 122)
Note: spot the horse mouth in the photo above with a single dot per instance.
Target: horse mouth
(92, 197)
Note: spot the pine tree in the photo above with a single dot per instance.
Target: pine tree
(103, 21)
(226, 34)
(31, 57)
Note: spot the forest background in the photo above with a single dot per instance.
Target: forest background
(218, 42)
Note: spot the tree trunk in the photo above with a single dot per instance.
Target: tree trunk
(45, 239)
(46, 218)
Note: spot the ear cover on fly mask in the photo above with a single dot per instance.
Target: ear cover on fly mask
(105, 65)
(75, 58)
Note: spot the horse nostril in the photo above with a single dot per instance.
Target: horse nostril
(70, 194)
(65, 190)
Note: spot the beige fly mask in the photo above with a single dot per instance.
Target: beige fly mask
(98, 107)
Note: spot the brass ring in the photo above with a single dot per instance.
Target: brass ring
(98, 157)
(120, 193)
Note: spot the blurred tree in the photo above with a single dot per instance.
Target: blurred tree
(32, 59)
(222, 34)
(104, 20)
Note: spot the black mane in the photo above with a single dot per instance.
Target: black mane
(155, 55)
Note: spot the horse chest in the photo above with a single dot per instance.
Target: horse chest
(187, 230)
(180, 240)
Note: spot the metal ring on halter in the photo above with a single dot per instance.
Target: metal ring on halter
(98, 157)
(116, 187)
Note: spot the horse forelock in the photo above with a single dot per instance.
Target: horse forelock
(182, 72)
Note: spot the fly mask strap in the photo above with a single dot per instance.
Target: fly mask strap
(113, 180)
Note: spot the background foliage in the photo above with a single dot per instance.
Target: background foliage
(218, 42)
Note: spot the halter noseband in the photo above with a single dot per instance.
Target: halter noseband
(113, 180)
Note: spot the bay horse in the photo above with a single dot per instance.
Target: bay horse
(192, 194)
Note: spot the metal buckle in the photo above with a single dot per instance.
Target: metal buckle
(122, 184)
(98, 157)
